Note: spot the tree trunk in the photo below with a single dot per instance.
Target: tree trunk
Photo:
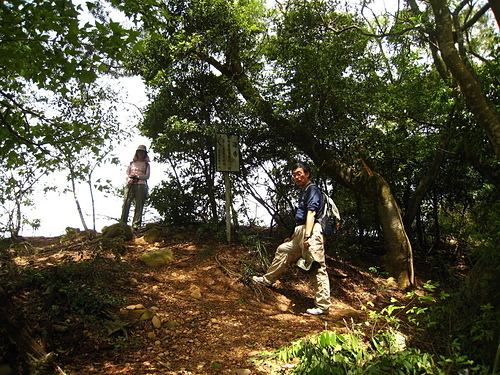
(399, 252)
(470, 87)
(75, 197)
(399, 256)
(495, 7)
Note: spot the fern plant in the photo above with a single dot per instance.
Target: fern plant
(332, 353)
(341, 354)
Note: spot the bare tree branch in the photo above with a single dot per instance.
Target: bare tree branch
(476, 17)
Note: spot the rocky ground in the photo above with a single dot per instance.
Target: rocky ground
(198, 314)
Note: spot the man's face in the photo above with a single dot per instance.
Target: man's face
(300, 177)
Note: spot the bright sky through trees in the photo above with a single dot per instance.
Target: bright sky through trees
(56, 211)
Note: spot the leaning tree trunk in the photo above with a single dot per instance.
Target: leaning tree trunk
(399, 251)
(446, 36)
(399, 254)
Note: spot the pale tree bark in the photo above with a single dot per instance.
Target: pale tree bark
(443, 33)
(75, 197)
(399, 251)
(399, 256)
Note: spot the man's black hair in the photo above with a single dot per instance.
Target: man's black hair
(304, 166)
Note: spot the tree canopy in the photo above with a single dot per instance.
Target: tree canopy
(51, 106)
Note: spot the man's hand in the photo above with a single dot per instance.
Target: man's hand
(306, 243)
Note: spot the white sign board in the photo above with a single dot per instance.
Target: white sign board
(228, 153)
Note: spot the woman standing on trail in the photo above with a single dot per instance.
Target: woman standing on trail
(137, 187)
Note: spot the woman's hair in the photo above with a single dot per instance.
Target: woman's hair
(304, 166)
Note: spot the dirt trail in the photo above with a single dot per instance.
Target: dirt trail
(213, 319)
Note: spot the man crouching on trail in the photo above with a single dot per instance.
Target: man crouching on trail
(307, 242)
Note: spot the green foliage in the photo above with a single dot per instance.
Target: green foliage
(475, 321)
(116, 246)
(15, 193)
(47, 44)
(468, 219)
(178, 205)
(305, 84)
(383, 350)
(473, 309)
(84, 124)
(86, 300)
(73, 289)
(183, 120)
(323, 71)
(333, 353)
(479, 230)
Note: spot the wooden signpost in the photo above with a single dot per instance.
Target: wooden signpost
(228, 160)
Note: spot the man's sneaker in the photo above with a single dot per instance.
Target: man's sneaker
(262, 280)
(317, 311)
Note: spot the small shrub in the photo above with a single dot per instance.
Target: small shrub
(352, 354)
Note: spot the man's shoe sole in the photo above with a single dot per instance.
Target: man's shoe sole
(260, 280)
(317, 311)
